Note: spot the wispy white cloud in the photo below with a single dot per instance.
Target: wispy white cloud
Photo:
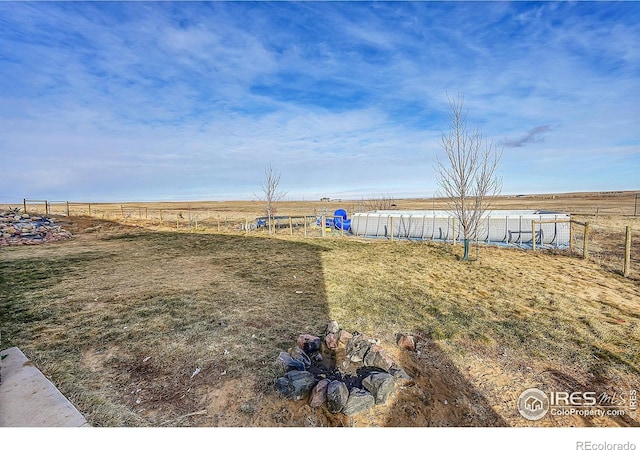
(154, 100)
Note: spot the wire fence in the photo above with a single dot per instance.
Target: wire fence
(615, 247)
(607, 239)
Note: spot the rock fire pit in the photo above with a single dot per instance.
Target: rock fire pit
(18, 229)
(349, 373)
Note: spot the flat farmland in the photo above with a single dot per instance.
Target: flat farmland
(140, 323)
(619, 203)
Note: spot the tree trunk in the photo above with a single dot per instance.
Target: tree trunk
(465, 257)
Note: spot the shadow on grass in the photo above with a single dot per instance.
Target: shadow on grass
(152, 328)
(137, 327)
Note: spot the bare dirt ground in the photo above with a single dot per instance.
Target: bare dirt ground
(120, 316)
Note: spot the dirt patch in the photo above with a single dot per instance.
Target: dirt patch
(96, 361)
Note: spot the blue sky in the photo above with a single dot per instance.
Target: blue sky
(118, 101)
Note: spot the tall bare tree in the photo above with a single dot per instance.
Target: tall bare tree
(467, 175)
(271, 194)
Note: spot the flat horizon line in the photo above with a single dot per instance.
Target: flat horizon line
(330, 199)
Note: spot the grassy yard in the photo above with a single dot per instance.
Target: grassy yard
(160, 328)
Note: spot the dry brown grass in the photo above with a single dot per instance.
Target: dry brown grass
(120, 318)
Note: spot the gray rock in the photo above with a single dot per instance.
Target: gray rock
(357, 348)
(296, 384)
(288, 363)
(399, 374)
(381, 385)
(299, 355)
(359, 401)
(377, 357)
(284, 387)
(337, 396)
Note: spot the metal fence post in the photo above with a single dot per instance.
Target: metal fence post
(533, 235)
(454, 231)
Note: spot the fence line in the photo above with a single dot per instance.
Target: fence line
(591, 241)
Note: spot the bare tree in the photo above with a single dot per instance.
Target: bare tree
(271, 194)
(383, 202)
(467, 176)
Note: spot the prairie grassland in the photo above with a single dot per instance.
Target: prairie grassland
(594, 204)
(141, 327)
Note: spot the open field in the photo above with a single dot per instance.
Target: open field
(121, 316)
(608, 213)
(595, 204)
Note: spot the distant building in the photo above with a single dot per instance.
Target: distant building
(325, 199)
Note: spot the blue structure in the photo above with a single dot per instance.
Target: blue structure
(339, 221)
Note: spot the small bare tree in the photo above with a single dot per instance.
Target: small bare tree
(467, 177)
(271, 194)
(383, 202)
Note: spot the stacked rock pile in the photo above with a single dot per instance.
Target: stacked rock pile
(16, 229)
(349, 373)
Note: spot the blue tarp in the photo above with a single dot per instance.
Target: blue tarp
(339, 222)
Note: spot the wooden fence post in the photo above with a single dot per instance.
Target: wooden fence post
(89, 209)
(291, 225)
(324, 225)
(24, 201)
(305, 226)
(571, 236)
(585, 245)
(46, 207)
(391, 226)
(67, 205)
(627, 251)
